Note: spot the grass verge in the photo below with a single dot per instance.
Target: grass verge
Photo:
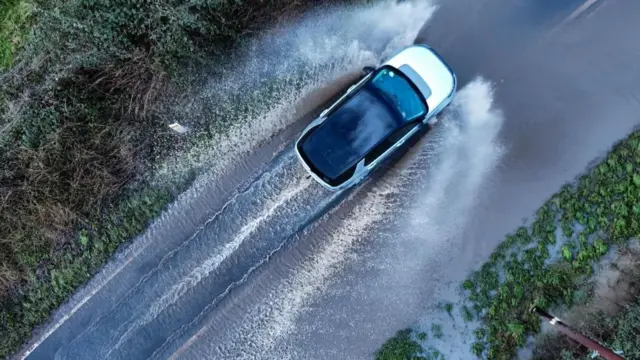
(548, 262)
(46, 290)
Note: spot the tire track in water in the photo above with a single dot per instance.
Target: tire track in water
(131, 255)
(221, 237)
(317, 200)
(212, 263)
(328, 202)
(273, 317)
(262, 178)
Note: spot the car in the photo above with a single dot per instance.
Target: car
(375, 116)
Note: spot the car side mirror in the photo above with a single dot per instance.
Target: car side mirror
(368, 69)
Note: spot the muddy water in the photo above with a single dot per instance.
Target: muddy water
(257, 262)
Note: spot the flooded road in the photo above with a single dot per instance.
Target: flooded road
(258, 262)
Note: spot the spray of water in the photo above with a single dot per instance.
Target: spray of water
(465, 151)
(280, 69)
(468, 152)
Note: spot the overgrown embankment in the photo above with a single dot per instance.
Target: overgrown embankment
(79, 128)
(549, 263)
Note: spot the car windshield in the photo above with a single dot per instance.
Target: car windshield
(397, 90)
(379, 108)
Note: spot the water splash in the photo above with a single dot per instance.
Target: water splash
(460, 155)
(469, 151)
(280, 69)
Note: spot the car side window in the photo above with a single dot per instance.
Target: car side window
(376, 152)
(396, 136)
(387, 143)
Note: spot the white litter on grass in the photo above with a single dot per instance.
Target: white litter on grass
(178, 128)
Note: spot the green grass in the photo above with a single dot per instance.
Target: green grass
(14, 25)
(402, 346)
(466, 313)
(596, 213)
(436, 331)
(448, 307)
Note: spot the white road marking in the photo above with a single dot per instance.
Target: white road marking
(588, 4)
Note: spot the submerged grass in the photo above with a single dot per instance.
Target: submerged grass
(599, 211)
(403, 346)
